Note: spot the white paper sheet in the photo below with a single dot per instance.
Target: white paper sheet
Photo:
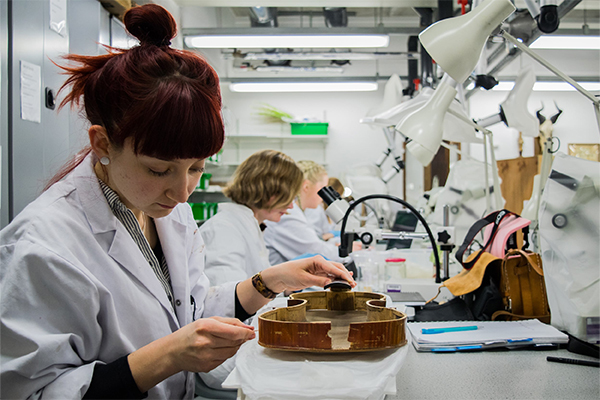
(31, 92)
(58, 16)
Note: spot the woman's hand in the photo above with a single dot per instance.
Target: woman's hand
(198, 347)
(208, 342)
(300, 274)
(327, 236)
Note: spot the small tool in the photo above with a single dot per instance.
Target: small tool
(338, 286)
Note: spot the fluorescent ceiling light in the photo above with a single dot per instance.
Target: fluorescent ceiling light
(567, 42)
(286, 41)
(332, 69)
(326, 56)
(349, 86)
(550, 86)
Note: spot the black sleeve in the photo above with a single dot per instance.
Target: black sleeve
(240, 313)
(114, 381)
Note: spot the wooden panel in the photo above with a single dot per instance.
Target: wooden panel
(440, 167)
(517, 181)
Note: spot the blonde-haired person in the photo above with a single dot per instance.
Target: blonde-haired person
(262, 189)
(293, 236)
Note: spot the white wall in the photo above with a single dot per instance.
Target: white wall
(349, 142)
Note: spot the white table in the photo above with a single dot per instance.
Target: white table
(514, 374)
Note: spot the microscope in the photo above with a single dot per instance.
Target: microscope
(339, 210)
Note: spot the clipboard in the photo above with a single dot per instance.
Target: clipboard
(487, 335)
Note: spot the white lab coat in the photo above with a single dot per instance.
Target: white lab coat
(77, 291)
(317, 218)
(235, 248)
(293, 236)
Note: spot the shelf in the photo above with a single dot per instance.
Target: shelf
(199, 196)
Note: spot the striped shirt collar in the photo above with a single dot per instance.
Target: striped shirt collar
(127, 218)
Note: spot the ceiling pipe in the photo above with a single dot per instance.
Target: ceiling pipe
(335, 17)
(413, 68)
(266, 17)
(263, 17)
(445, 10)
(427, 77)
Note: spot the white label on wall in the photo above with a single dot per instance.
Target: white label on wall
(31, 92)
(58, 16)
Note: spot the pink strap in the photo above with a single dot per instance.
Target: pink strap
(508, 226)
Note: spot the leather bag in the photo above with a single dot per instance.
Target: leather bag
(479, 287)
(505, 287)
(523, 288)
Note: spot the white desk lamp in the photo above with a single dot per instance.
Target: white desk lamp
(455, 44)
(392, 96)
(514, 107)
(470, 31)
(424, 126)
(454, 128)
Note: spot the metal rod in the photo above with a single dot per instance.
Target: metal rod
(463, 154)
(544, 174)
(446, 260)
(549, 66)
(495, 174)
(403, 235)
(469, 121)
(487, 179)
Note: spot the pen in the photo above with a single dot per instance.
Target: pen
(574, 361)
(431, 331)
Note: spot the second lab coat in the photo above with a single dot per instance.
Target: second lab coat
(76, 291)
(317, 218)
(235, 248)
(293, 236)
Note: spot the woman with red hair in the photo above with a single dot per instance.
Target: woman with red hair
(102, 277)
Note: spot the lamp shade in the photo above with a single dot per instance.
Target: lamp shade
(515, 106)
(424, 126)
(392, 96)
(455, 44)
(454, 130)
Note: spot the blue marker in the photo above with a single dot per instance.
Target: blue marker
(470, 347)
(431, 331)
(519, 340)
(443, 349)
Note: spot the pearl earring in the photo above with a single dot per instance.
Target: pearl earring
(104, 161)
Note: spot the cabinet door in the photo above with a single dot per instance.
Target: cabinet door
(38, 148)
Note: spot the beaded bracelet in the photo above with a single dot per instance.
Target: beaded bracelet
(259, 285)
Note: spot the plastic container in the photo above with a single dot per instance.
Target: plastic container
(395, 269)
(199, 211)
(309, 128)
(216, 157)
(211, 209)
(368, 265)
(203, 182)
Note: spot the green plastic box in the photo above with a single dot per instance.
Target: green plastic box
(203, 182)
(309, 128)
